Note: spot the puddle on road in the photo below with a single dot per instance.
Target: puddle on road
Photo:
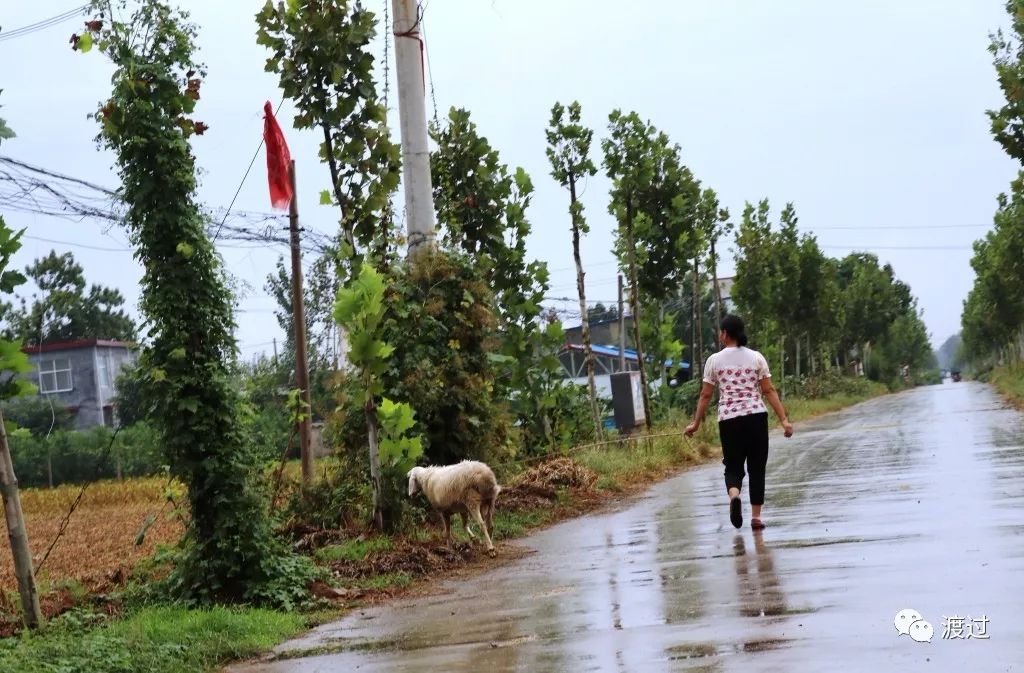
(706, 650)
(825, 542)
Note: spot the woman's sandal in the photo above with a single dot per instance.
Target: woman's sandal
(736, 512)
(757, 524)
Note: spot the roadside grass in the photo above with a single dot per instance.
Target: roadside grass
(1009, 381)
(154, 640)
(516, 523)
(353, 550)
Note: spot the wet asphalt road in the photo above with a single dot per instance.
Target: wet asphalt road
(909, 501)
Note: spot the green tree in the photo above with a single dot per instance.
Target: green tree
(601, 313)
(713, 223)
(64, 311)
(320, 52)
(481, 206)
(5, 131)
(869, 302)
(569, 153)
(993, 313)
(360, 310)
(654, 199)
(445, 329)
(755, 271)
(229, 551)
(819, 314)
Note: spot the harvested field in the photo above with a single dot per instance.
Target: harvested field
(99, 542)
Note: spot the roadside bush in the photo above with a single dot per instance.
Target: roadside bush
(826, 384)
(329, 504)
(445, 334)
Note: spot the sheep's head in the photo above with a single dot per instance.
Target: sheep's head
(414, 484)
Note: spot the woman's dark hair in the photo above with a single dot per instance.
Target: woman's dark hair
(733, 326)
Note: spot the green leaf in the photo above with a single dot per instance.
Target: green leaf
(185, 250)
(85, 42)
(499, 359)
(325, 198)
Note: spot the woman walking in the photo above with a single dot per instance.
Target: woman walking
(744, 384)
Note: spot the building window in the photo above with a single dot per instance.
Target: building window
(55, 376)
(104, 370)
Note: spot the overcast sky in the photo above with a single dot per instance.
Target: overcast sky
(869, 116)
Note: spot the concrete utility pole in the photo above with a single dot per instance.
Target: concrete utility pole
(412, 114)
(17, 535)
(299, 320)
(622, 329)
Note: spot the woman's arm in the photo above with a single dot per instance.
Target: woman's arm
(772, 396)
(707, 391)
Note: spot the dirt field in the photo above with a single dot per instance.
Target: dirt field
(101, 534)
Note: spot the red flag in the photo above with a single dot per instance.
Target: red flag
(278, 161)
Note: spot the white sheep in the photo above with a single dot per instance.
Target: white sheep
(469, 487)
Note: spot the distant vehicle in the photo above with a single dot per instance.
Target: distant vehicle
(955, 376)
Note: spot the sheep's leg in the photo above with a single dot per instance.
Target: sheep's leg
(475, 511)
(446, 518)
(489, 516)
(465, 524)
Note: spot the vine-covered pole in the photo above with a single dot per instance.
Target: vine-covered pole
(299, 320)
(17, 535)
(412, 113)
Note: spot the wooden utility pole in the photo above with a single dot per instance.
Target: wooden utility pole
(299, 319)
(275, 351)
(622, 329)
(412, 115)
(17, 535)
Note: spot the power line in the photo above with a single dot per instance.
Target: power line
(43, 24)
(896, 247)
(77, 245)
(901, 227)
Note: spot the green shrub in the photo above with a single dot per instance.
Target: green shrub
(330, 503)
(82, 456)
(36, 414)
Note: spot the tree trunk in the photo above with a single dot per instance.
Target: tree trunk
(17, 535)
(662, 372)
(782, 368)
(798, 358)
(375, 477)
(588, 352)
(718, 289)
(634, 301)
